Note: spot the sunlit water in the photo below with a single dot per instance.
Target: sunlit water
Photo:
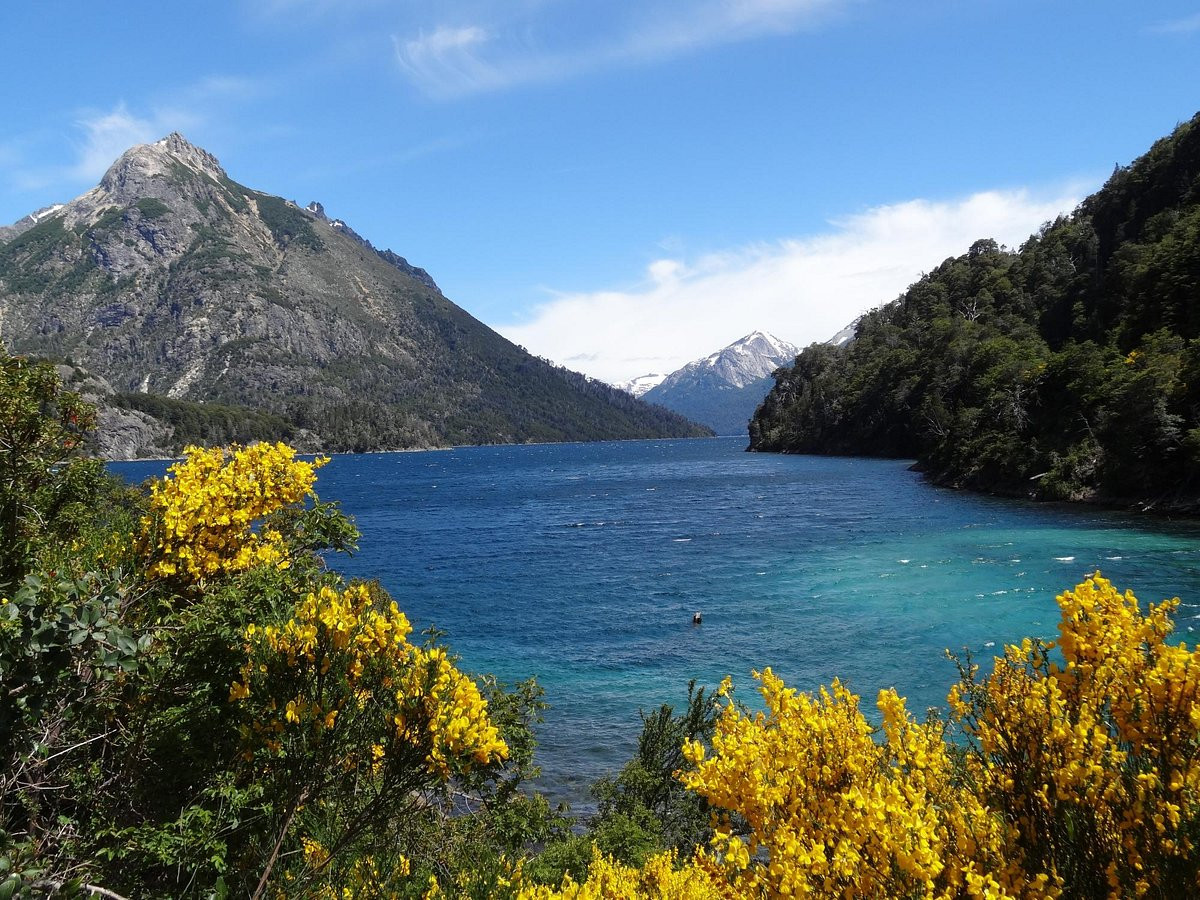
(582, 564)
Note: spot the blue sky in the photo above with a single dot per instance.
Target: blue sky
(621, 187)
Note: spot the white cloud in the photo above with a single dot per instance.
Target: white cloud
(106, 136)
(801, 289)
(449, 60)
(455, 60)
(1186, 25)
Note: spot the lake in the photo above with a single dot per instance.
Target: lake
(582, 564)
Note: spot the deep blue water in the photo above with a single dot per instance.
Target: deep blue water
(582, 564)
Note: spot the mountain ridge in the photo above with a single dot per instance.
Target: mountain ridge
(169, 278)
(723, 389)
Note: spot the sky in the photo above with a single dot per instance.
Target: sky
(621, 187)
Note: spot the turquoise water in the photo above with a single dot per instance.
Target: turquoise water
(582, 564)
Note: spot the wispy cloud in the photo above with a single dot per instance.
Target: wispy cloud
(106, 135)
(94, 138)
(98, 137)
(1185, 25)
(453, 60)
(802, 289)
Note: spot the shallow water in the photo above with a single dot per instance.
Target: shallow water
(582, 564)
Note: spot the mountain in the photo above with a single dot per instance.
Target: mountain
(1069, 369)
(846, 335)
(185, 291)
(723, 389)
(638, 386)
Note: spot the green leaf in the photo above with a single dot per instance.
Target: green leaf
(126, 644)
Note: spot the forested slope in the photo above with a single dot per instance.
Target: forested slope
(1069, 369)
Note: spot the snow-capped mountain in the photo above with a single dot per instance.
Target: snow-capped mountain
(846, 335)
(723, 389)
(638, 386)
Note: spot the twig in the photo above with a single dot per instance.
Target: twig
(93, 890)
(77, 746)
(262, 882)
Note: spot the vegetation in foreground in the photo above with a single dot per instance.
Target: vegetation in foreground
(194, 705)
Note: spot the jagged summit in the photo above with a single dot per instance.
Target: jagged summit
(723, 389)
(158, 159)
(746, 360)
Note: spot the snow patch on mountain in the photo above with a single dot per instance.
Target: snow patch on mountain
(846, 335)
(640, 385)
(723, 389)
(743, 362)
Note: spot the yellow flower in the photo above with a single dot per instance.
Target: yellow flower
(203, 514)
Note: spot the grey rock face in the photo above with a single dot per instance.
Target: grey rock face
(388, 256)
(129, 434)
(170, 278)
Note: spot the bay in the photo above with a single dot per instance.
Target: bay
(582, 565)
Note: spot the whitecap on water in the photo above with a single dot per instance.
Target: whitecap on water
(1065, 558)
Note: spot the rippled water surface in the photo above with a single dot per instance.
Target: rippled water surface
(582, 564)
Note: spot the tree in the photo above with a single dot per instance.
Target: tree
(41, 434)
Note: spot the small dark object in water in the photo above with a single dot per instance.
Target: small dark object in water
(697, 618)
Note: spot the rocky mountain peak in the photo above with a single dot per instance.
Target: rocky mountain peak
(196, 157)
(128, 176)
(181, 287)
(749, 359)
(722, 389)
(640, 385)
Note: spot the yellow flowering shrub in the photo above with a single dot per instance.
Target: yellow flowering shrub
(828, 810)
(659, 878)
(342, 672)
(1088, 747)
(206, 515)
(363, 879)
(354, 724)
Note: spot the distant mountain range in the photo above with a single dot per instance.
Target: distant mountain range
(193, 306)
(723, 389)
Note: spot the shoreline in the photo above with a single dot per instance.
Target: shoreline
(333, 453)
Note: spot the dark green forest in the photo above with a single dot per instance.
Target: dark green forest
(1068, 369)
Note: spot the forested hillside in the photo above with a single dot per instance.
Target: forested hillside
(1069, 369)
